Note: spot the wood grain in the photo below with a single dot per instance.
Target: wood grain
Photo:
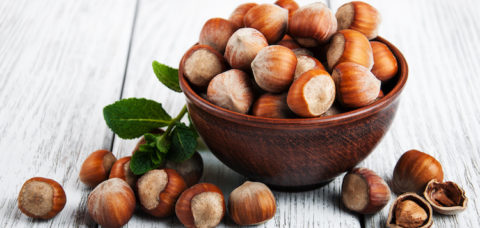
(439, 108)
(58, 67)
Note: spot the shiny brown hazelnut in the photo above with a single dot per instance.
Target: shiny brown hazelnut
(414, 170)
(289, 42)
(356, 86)
(312, 94)
(201, 63)
(202, 205)
(111, 203)
(41, 198)
(312, 24)
(306, 63)
(290, 5)
(96, 167)
(216, 32)
(231, 90)
(410, 211)
(243, 46)
(238, 14)
(349, 46)
(121, 169)
(158, 191)
(272, 106)
(385, 64)
(271, 20)
(359, 16)
(191, 169)
(445, 197)
(252, 203)
(364, 192)
(274, 67)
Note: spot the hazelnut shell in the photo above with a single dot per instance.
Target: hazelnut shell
(121, 169)
(216, 32)
(243, 46)
(445, 197)
(385, 64)
(271, 20)
(392, 220)
(272, 106)
(359, 16)
(349, 46)
(251, 203)
(238, 14)
(96, 167)
(201, 63)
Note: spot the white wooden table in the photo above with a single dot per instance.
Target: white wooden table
(62, 61)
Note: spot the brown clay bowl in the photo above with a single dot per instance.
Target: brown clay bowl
(295, 154)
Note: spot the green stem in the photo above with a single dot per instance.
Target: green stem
(176, 119)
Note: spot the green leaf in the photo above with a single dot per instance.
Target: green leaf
(167, 75)
(133, 117)
(163, 144)
(191, 126)
(141, 161)
(184, 143)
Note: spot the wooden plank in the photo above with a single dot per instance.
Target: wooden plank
(439, 110)
(164, 30)
(60, 63)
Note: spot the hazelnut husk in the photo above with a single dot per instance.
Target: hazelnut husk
(410, 210)
(445, 197)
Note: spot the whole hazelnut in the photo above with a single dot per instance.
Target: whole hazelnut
(202, 205)
(121, 169)
(312, 94)
(350, 46)
(41, 198)
(216, 32)
(111, 203)
(96, 167)
(272, 106)
(191, 169)
(359, 16)
(271, 20)
(289, 42)
(252, 203)
(312, 24)
(290, 5)
(231, 90)
(158, 191)
(243, 46)
(356, 86)
(410, 211)
(201, 63)
(385, 63)
(363, 191)
(274, 67)
(306, 63)
(302, 51)
(414, 170)
(238, 14)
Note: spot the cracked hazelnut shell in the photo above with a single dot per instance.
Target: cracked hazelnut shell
(445, 197)
(410, 210)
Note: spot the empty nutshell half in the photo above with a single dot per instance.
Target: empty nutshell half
(445, 197)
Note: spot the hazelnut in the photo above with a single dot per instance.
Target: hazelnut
(350, 46)
(231, 90)
(274, 67)
(359, 16)
(312, 94)
(201, 63)
(121, 169)
(238, 14)
(271, 20)
(111, 203)
(363, 191)
(96, 167)
(312, 24)
(410, 210)
(41, 198)
(191, 169)
(414, 170)
(202, 205)
(306, 63)
(385, 63)
(356, 86)
(158, 190)
(333, 110)
(243, 46)
(290, 5)
(272, 106)
(445, 197)
(252, 203)
(289, 42)
(302, 51)
(216, 32)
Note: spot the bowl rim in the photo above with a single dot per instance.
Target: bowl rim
(345, 117)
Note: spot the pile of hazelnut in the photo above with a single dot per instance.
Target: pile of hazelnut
(170, 189)
(364, 192)
(285, 61)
